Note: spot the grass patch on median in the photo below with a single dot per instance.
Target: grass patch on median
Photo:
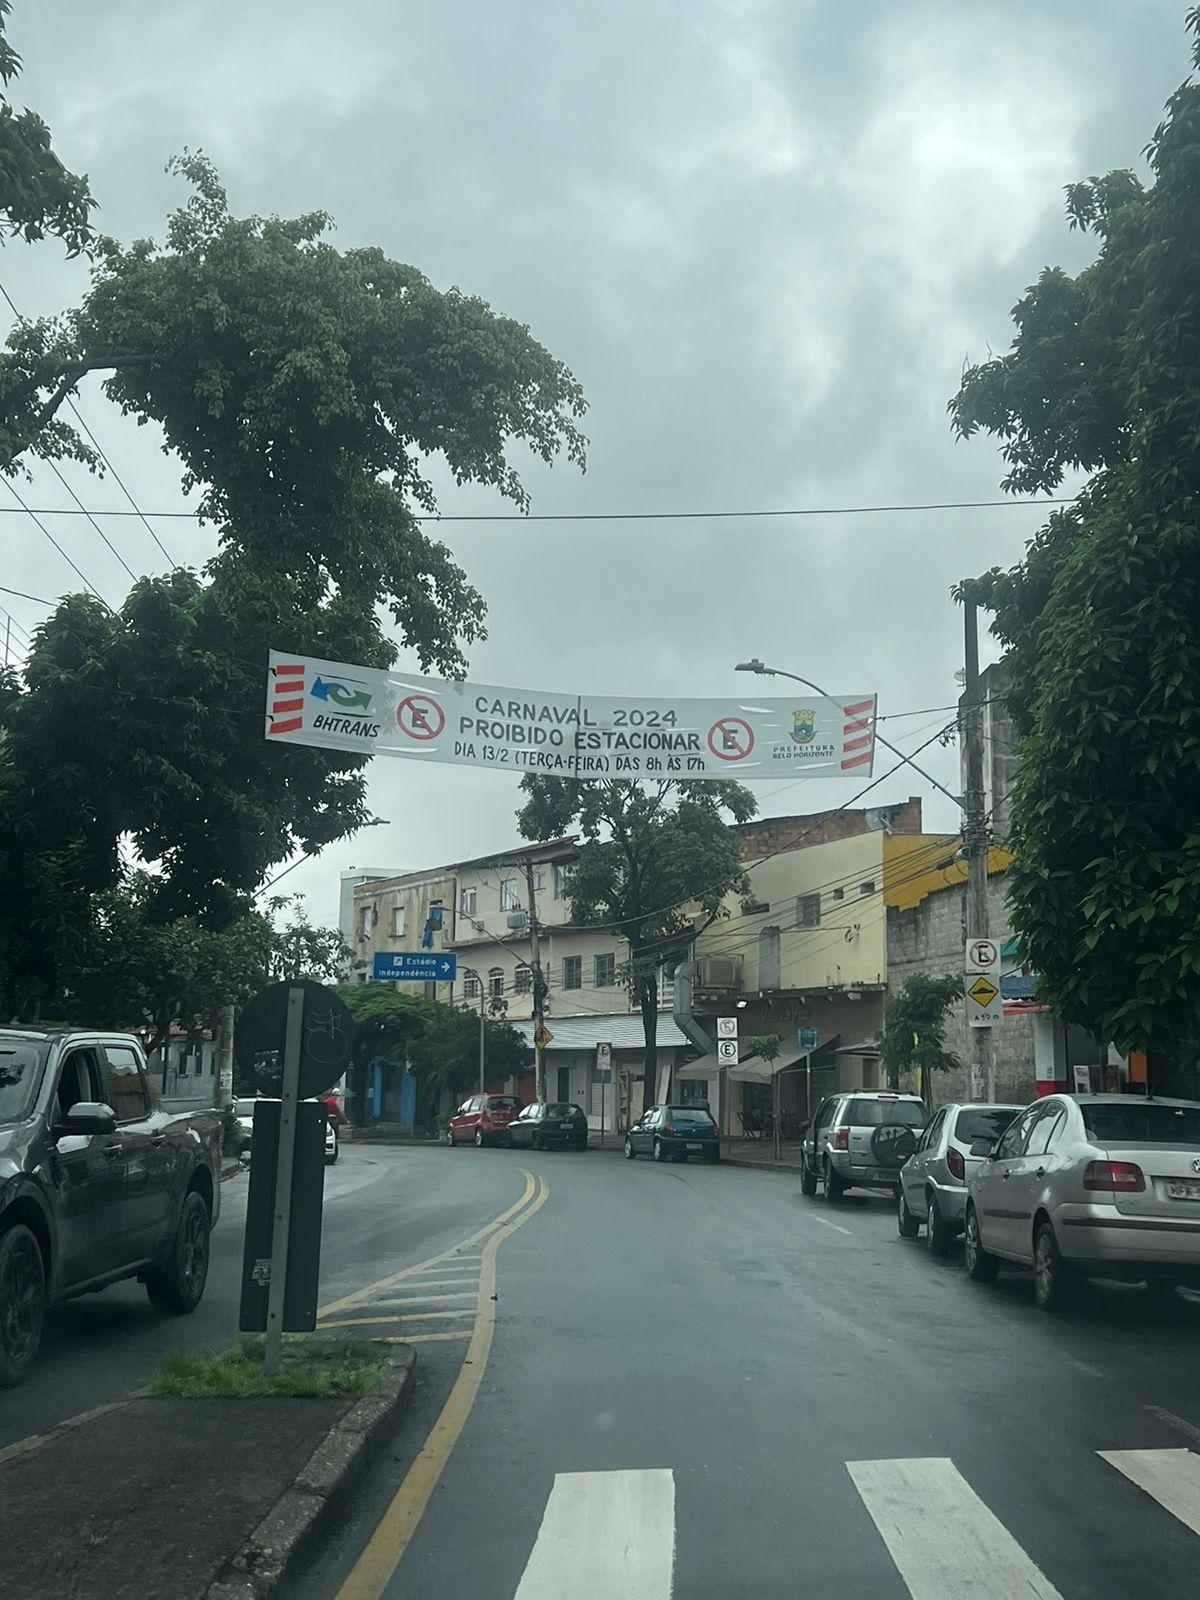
(310, 1369)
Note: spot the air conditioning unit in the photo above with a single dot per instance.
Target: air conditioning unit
(719, 972)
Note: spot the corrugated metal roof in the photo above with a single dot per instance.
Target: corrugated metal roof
(586, 1032)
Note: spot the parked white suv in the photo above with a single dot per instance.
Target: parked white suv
(860, 1140)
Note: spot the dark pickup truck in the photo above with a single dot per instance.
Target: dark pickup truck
(96, 1182)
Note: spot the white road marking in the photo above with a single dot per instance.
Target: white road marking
(836, 1226)
(1172, 1477)
(604, 1535)
(944, 1540)
(1180, 1424)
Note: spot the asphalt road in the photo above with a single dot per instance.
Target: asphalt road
(785, 1394)
(380, 1213)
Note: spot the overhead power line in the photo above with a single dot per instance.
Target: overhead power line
(40, 524)
(99, 449)
(603, 516)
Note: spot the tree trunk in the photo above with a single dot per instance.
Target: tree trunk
(648, 1001)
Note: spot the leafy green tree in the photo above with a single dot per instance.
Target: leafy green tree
(1102, 617)
(304, 389)
(914, 1021)
(439, 1042)
(132, 969)
(655, 866)
(38, 196)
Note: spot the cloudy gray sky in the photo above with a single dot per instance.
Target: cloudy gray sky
(765, 234)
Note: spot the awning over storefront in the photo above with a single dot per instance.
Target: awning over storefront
(622, 1031)
(756, 1070)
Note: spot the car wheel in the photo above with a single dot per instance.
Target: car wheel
(808, 1178)
(629, 1151)
(659, 1153)
(177, 1286)
(22, 1302)
(478, 1139)
(939, 1235)
(1051, 1274)
(908, 1225)
(832, 1185)
(981, 1267)
(332, 1155)
(536, 1141)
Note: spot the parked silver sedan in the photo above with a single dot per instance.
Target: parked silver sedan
(1106, 1186)
(934, 1179)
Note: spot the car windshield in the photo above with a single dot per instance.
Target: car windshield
(988, 1123)
(503, 1102)
(560, 1108)
(877, 1113)
(21, 1064)
(1143, 1123)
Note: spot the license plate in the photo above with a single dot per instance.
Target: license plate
(1183, 1188)
(567, 1126)
(695, 1147)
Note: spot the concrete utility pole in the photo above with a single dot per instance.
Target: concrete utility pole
(223, 1063)
(975, 836)
(539, 987)
(482, 1035)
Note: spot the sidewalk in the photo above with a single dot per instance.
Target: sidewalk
(186, 1499)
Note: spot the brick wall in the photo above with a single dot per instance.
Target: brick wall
(931, 938)
(769, 834)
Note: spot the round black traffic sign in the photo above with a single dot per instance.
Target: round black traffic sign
(326, 1040)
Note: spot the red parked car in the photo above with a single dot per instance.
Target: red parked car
(484, 1118)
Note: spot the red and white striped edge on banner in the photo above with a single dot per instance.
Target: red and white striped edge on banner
(287, 698)
(858, 734)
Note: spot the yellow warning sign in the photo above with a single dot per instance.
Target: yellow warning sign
(542, 1037)
(983, 991)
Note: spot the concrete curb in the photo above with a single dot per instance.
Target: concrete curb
(269, 1559)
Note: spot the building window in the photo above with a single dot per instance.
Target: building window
(839, 894)
(539, 877)
(398, 921)
(508, 895)
(496, 983)
(466, 902)
(606, 971)
(572, 972)
(523, 980)
(808, 910)
(562, 881)
(365, 922)
(470, 984)
(868, 887)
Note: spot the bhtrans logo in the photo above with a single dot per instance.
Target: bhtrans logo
(331, 705)
(804, 726)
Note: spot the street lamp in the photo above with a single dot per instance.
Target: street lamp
(755, 665)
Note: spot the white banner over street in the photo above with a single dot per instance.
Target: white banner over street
(341, 707)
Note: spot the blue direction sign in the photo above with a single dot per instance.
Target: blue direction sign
(416, 966)
(807, 1039)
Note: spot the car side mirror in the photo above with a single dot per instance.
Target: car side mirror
(89, 1116)
(983, 1147)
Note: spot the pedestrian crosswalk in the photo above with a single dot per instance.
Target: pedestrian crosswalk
(604, 1534)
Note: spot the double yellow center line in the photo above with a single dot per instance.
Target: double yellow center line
(477, 1257)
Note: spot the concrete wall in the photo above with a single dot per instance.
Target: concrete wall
(930, 937)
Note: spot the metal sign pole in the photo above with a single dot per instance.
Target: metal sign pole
(282, 1216)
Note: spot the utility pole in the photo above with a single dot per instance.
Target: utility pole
(975, 836)
(539, 987)
(482, 1035)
